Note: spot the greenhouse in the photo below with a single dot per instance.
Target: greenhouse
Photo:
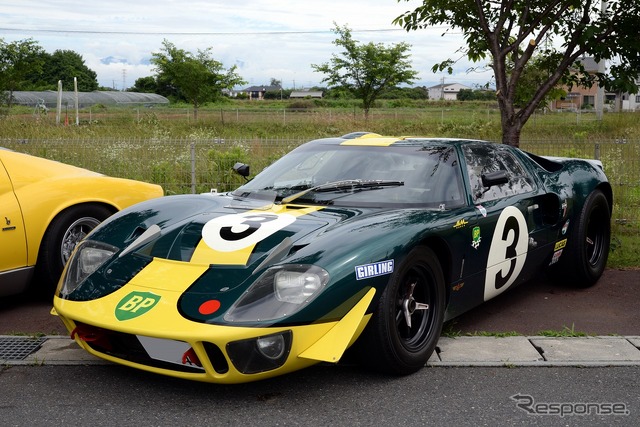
(49, 98)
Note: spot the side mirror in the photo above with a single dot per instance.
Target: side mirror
(494, 178)
(241, 169)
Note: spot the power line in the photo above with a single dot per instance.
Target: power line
(191, 33)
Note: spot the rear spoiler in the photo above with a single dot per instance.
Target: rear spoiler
(594, 162)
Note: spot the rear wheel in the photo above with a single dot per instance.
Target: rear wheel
(588, 243)
(407, 322)
(59, 241)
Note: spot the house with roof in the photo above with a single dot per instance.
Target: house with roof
(257, 92)
(446, 91)
(579, 97)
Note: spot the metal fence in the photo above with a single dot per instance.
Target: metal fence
(194, 166)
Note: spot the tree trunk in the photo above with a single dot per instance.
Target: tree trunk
(511, 130)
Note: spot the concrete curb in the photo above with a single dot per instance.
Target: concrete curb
(513, 351)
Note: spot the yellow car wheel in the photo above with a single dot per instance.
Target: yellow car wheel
(61, 237)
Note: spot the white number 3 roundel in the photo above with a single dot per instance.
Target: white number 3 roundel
(507, 253)
(234, 232)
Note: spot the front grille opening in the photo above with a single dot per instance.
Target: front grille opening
(126, 347)
(216, 357)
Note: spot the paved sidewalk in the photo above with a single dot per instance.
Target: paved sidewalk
(537, 351)
(462, 351)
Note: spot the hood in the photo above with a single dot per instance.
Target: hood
(216, 230)
(202, 246)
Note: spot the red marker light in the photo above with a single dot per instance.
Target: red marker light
(209, 307)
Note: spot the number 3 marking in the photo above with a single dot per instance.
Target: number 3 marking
(507, 253)
(230, 233)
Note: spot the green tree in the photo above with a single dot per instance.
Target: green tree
(275, 82)
(145, 85)
(196, 78)
(366, 70)
(510, 33)
(535, 74)
(64, 65)
(17, 60)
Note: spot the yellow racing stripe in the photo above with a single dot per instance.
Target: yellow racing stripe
(204, 254)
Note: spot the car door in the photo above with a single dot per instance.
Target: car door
(13, 245)
(508, 229)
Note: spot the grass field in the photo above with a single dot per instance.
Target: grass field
(167, 146)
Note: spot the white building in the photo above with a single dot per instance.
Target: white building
(447, 91)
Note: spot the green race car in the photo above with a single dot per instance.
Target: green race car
(360, 243)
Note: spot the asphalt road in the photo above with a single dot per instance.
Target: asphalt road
(343, 394)
(322, 396)
(608, 308)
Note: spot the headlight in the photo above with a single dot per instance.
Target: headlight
(297, 286)
(279, 292)
(88, 257)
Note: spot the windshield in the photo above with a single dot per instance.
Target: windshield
(363, 176)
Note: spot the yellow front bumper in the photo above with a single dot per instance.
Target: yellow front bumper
(162, 329)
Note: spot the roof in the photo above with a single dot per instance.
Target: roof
(263, 88)
(370, 139)
(445, 85)
(306, 93)
(86, 99)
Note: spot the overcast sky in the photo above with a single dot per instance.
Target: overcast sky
(264, 38)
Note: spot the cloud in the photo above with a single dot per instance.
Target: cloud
(264, 38)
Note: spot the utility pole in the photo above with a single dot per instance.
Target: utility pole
(599, 101)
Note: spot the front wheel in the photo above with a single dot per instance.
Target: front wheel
(406, 324)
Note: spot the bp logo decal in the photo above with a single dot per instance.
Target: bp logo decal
(135, 304)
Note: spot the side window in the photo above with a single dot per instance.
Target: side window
(484, 159)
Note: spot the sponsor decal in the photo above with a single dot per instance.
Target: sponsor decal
(556, 257)
(458, 286)
(565, 227)
(475, 237)
(375, 269)
(564, 209)
(461, 223)
(482, 210)
(560, 244)
(135, 304)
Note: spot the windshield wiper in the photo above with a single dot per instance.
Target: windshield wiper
(348, 184)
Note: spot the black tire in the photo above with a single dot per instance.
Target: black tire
(63, 234)
(588, 243)
(389, 344)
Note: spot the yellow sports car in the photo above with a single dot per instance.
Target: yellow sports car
(46, 208)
